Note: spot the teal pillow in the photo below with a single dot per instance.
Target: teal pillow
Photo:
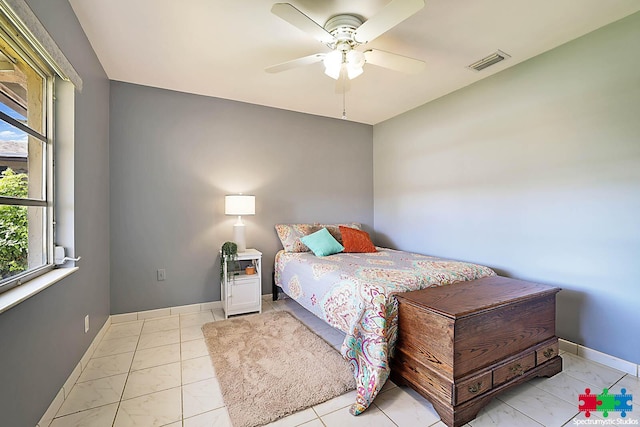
(322, 243)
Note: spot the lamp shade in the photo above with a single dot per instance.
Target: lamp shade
(239, 204)
(332, 63)
(355, 62)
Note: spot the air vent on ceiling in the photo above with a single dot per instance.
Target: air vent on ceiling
(488, 61)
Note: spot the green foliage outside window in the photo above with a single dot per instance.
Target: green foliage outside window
(14, 234)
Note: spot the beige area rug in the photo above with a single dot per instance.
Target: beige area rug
(270, 365)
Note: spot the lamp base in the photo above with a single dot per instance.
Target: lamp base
(239, 237)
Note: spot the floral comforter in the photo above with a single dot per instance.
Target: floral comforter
(353, 292)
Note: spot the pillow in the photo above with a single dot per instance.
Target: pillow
(290, 235)
(322, 243)
(334, 229)
(356, 240)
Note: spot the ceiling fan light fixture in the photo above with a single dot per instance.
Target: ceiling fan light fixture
(332, 63)
(334, 73)
(355, 61)
(355, 58)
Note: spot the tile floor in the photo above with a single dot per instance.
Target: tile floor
(156, 372)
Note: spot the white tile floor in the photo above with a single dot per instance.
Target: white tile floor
(157, 372)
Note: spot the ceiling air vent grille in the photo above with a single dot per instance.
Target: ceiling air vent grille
(488, 61)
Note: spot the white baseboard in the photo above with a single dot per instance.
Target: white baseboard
(599, 357)
(162, 312)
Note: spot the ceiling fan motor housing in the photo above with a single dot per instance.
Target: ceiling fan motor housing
(342, 28)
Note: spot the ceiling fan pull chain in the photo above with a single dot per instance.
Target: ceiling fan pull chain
(344, 107)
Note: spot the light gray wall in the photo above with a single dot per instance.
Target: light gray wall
(173, 158)
(43, 338)
(536, 172)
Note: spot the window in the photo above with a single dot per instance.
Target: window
(26, 159)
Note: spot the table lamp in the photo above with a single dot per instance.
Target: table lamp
(239, 204)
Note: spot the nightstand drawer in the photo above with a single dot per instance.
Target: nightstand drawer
(243, 278)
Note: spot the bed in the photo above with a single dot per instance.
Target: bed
(354, 292)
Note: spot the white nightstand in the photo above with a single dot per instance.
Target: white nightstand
(241, 292)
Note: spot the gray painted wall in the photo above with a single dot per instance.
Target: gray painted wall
(43, 338)
(173, 158)
(536, 172)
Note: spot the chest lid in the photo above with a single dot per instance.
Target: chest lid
(466, 298)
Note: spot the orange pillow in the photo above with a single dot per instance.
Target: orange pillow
(356, 240)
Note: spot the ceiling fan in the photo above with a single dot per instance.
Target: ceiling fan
(344, 33)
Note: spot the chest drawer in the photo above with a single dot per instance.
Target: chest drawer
(468, 389)
(514, 369)
(547, 352)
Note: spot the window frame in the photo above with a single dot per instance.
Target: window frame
(32, 54)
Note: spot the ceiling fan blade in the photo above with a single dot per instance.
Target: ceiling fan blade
(393, 61)
(343, 84)
(301, 21)
(300, 62)
(390, 16)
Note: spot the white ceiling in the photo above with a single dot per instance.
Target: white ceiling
(220, 47)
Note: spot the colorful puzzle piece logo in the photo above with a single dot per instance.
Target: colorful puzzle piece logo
(605, 402)
(623, 402)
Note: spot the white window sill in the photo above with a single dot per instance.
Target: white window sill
(20, 293)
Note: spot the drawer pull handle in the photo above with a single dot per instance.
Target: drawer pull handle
(474, 388)
(548, 352)
(517, 369)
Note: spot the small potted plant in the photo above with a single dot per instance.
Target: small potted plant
(229, 253)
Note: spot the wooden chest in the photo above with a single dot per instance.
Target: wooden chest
(460, 345)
